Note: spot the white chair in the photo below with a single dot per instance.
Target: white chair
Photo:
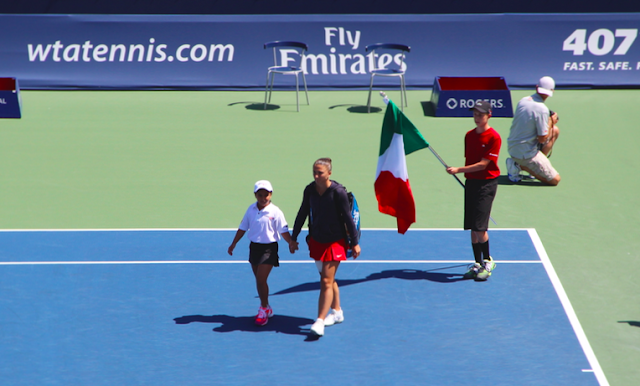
(293, 52)
(393, 69)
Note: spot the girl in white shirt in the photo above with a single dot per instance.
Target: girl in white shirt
(265, 223)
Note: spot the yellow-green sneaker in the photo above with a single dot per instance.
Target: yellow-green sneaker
(485, 272)
(472, 272)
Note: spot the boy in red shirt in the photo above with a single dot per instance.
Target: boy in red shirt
(481, 149)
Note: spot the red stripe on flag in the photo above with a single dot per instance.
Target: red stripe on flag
(395, 199)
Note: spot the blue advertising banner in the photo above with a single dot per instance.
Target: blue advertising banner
(226, 52)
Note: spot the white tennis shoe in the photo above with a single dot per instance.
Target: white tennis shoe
(513, 170)
(334, 317)
(318, 327)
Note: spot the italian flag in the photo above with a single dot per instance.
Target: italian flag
(399, 138)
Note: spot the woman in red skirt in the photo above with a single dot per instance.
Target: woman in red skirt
(326, 204)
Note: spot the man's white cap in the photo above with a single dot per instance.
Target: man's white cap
(546, 85)
(263, 184)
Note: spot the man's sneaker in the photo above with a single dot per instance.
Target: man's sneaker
(485, 272)
(489, 264)
(334, 317)
(472, 272)
(513, 170)
(482, 275)
(263, 315)
(318, 327)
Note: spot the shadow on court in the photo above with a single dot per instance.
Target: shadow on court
(260, 106)
(358, 109)
(504, 180)
(255, 105)
(633, 323)
(290, 325)
(404, 274)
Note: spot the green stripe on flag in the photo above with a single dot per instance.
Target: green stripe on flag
(396, 122)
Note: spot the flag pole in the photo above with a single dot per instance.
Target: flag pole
(444, 164)
(386, 101)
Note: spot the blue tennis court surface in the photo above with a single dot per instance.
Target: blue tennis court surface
(170, 307)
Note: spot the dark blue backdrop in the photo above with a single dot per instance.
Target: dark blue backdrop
(284, 7)
(226, 52)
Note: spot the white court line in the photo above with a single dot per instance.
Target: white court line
(568, 309)
(122, 230)
(309, 261)
(440, 261)
(225, 229)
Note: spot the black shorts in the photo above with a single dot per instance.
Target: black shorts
(264, 254)
(478, 199)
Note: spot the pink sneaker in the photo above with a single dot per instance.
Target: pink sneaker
(263, 315)
(262, 318)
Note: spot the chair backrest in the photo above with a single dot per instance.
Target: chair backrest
(298, 47)
(388, 47)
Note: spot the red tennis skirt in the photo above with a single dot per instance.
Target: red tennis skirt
(336, 251)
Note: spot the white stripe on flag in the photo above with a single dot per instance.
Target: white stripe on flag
(393, 159)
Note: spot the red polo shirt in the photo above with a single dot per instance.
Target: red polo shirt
(484, 145)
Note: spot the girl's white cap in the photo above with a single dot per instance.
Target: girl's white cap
(263, 184)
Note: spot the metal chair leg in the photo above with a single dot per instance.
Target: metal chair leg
(401, 95)
(304, 80)
(404, 87)
(266, 91)
(297, 92)
(273, 75)
(369, 99)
